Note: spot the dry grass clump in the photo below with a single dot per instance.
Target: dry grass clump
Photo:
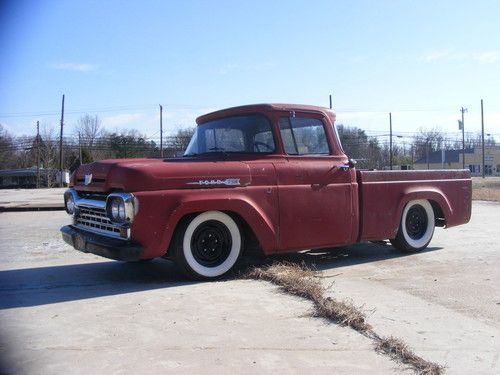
(292, 278)
(301, 281)
(342, 312)
(399, 351)
(486, 189)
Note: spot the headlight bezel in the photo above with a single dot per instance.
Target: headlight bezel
(70, 196)
(121, 207)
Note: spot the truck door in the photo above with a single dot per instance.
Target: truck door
(315, 188)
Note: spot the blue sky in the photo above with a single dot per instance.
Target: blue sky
(422, 60)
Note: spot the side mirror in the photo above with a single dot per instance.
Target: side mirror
(352, 163)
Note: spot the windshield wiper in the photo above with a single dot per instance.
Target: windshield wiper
(212, 151)
(217, 151)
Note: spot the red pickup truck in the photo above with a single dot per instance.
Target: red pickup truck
(274, 175)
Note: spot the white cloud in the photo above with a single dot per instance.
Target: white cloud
(485, 57)
(75, 67)
(488, 57)
(437, 55)
(121, 119)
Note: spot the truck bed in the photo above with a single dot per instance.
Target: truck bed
(383, 195)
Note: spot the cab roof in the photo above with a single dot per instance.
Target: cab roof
(262, 108)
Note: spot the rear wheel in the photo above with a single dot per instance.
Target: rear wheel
(416, 227)
(208, 246)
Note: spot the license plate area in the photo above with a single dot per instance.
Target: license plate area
(79, 242)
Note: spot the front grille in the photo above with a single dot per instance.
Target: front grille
(92, 195)
(95, 219)
(94, 180)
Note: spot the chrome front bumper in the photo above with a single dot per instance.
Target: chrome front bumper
(104, 246)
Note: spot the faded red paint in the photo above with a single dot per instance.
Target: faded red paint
(290, 202)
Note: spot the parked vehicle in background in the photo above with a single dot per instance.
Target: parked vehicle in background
(271, 175)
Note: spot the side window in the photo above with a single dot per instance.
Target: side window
(303, 136)
(288, 136)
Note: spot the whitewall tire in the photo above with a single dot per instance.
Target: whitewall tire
(416, 227)
(209, 245)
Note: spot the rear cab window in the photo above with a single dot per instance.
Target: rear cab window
(303, 136)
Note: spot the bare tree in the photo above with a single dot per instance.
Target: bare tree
(474, 140)
(8, 150)
(89, 130)
(49, 156)
(428, 141)
(178, 143)
(357, 145)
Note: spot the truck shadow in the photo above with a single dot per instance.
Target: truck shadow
(46, 285)
(329, 258)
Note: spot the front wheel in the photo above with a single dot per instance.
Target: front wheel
(416, 227)
(208, 246)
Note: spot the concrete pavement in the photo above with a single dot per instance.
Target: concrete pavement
(64, 311)
(444, 302)
(31, 199)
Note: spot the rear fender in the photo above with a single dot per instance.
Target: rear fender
(430, 194)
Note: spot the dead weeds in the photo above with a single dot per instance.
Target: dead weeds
(292, 278)
(399, 351)
(343, 313)
(299, 280)
(486, 189)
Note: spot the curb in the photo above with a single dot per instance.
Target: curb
(31, 208)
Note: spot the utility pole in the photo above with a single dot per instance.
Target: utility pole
(427, 153)
(331, 101)
(61, 144)
(80, 147)
(38, 154)
(482, 133)
(161, 131)
(463, 110)
(390, 140)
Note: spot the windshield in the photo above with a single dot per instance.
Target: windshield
(241, 134)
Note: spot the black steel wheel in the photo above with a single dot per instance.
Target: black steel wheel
(416, 222)
(211, 243)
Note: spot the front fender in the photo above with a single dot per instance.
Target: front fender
(257, 206)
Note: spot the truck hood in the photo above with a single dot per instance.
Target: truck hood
(157, 174)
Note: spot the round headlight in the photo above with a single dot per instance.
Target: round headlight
(121, 207)
(115, 204)
(122, 216)
(70, 204)
(118, 210)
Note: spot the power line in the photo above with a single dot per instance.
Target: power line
(84, 110)
(178, 106)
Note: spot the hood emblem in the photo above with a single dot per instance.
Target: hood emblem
(88, 179)
(227, 182)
